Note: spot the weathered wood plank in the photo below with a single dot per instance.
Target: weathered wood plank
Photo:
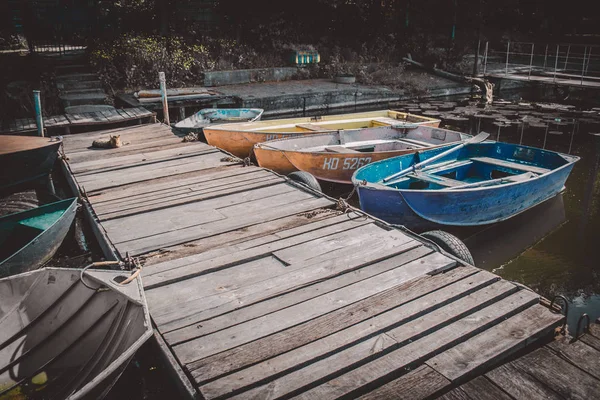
(559, 375)
(136, 227)
(455, 394)
(579, 354)
(375, 325)
(234, 359)
(192, 197)
(331, 265)
(240, 334)
(496, 343)
(137, 247)
(520, 385)
(591, 341)
(90, 153)
(422, 383)
(482, 389)
(82, 141)
(379, 358)
(300, 295)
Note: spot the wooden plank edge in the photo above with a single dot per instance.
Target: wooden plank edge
(108, 249)
(182, 382)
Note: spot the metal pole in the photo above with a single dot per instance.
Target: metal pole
(546, 135)
(478, 125)
(556, 61)
(567, 57)
(163, 94)
(531, 61)
(498, 135)
(485, 57)
(38, 112)
(588, 61)
(475, 66)
(572, 136)
(507, 52)
(522, 130)
(545, 57)
(583, 65)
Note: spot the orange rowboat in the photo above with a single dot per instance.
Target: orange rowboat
(239, 138)
(335, 156)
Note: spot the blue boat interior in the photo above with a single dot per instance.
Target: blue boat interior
(19, 229)
(473, 166)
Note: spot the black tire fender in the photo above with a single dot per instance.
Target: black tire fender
(305, 178)
(450, 244)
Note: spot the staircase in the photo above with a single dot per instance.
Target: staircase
(77, 84)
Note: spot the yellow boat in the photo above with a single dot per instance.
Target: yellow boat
(335, 156)
(239, 138)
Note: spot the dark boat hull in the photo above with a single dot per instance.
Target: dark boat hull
(27, 165)
(61, 337)
(43, 247)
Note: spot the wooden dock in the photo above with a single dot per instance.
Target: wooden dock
(261, 288)
(562, 369)
(64, 123)
(560, 80)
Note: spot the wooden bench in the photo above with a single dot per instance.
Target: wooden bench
(436, 179)
(511, 165)
(416, 142)
(340, 149)
(311, 127)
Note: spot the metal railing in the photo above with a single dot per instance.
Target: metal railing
(559, 61)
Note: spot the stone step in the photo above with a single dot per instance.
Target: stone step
(83, 91)
(72, 68)
(77, 77)
(66, 86)
(83, 99)
(88, 108)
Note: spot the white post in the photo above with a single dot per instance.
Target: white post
(163, 94)
(556, 61)
(531, 60)
(507, 52)
(583, 65)
(567, 57)
(522, 130)
(485, 57)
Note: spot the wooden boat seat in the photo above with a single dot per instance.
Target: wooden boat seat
(436, 179)
(311, 127)
(415, 142)
(340, 149)
(511, 165)
(499, 181)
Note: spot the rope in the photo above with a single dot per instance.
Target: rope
(95, 264)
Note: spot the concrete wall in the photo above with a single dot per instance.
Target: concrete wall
(239, 76)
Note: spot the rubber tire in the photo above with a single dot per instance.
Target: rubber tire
(451, 244)
(306, 178)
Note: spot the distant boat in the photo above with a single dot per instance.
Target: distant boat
(28, 239)
(25, 158)
(477, 184)
(210, 116)
(239, 138)
(335, 156)
(70, 334)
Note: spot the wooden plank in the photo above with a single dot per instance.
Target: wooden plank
(240, 334)
(303, 294)
(352, 371)
(201, 231)
(191, 197)
(579, 354)
(495, 344)
(90, 166)
(416, 286)
(92, 153)
(152, 223)
(80, 141)
(329, 265)
(481, 388)
(455, 394)
(511, 165)
(169, 185)
(519, 384)
(559, 375)
(112, 115)
(170, 272)
(591, 341)
(375, 325)
(422, 383)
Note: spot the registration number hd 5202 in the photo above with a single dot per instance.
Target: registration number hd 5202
(348, 163)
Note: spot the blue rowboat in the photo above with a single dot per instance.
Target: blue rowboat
(28, 239)
(209, 116)
(477, 184)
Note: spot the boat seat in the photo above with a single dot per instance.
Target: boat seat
(311, 127)
(511, 165)
(507, 179)
(340, 149)
(436, 179)
(416, 142)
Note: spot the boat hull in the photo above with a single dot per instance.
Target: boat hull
(26, 163)
(273, 159)
(41, 249)
(62, 339)
(240, 143)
